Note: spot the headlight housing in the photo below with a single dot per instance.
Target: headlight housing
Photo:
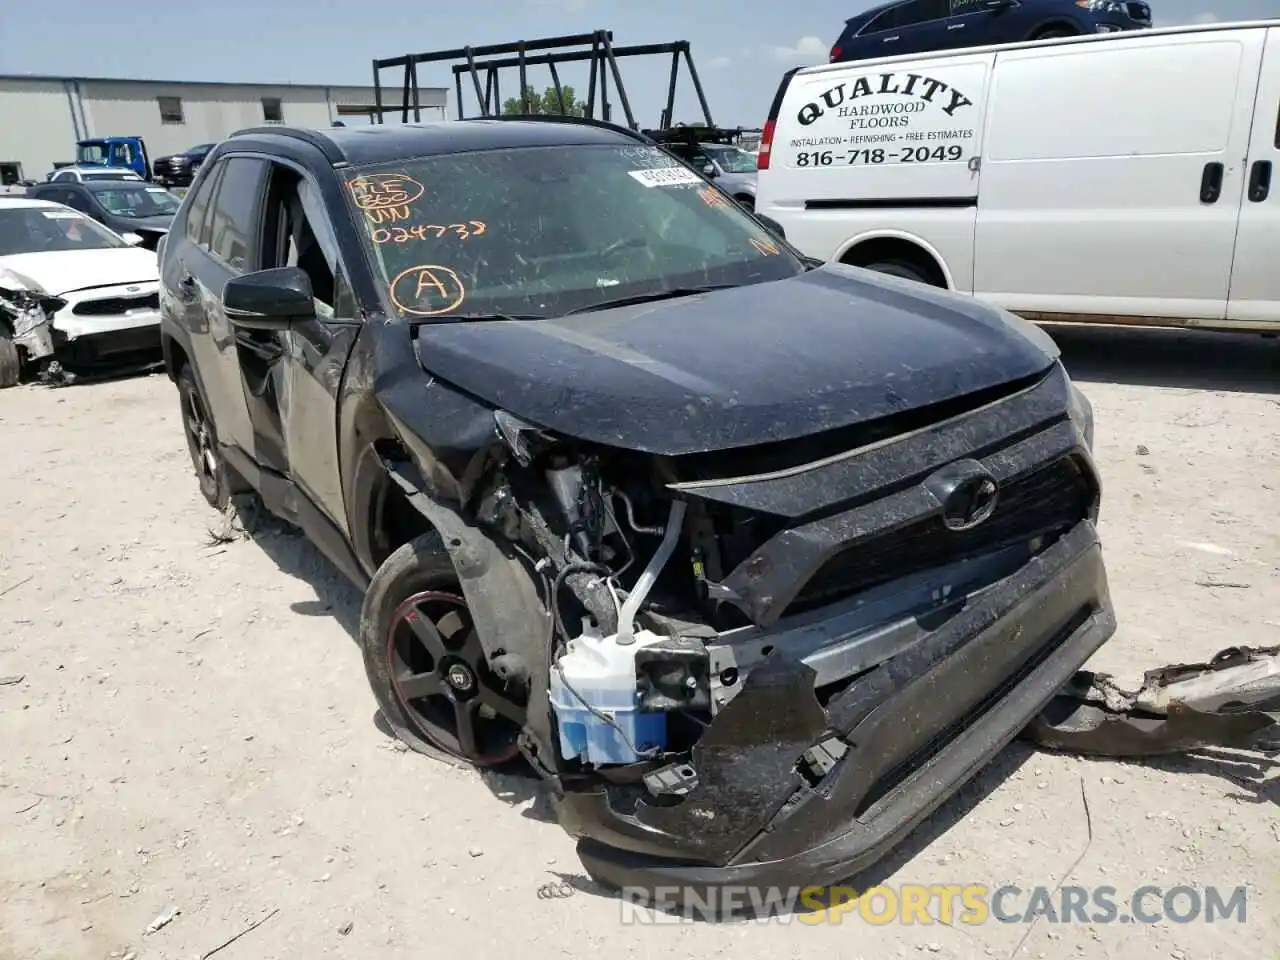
(1080, 410)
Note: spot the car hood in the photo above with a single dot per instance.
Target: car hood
(61, 271)
(773, 361)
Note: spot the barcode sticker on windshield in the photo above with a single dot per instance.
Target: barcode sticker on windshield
(665, 176)
(61, 214)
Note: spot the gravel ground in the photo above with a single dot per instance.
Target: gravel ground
(194, 731)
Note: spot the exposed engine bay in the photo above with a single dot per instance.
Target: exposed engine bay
(735, 638)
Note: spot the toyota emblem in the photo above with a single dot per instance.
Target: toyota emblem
(971, 503)
(965, 492)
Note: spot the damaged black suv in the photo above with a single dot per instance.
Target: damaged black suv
(754, 559)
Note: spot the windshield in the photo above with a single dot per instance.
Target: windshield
(732, 159)
(137, 202)
(545, 230)
(44, 229)
(91, 153)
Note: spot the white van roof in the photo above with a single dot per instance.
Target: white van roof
(1023, 44)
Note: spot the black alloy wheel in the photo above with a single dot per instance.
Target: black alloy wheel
(442, 683)
(211, 470)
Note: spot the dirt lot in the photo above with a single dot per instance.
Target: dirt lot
(194, 729)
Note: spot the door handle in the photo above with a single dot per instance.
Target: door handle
(1260, 181)
(1211, 182)
(956, 26)
(891, 39)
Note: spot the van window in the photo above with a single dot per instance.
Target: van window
(1115, 101)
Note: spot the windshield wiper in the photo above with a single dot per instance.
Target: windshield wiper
(472, 318)
(647, 297)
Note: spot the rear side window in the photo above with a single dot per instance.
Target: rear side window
(1064, 106)
(199, 205)
(233, 218)
(908, 14)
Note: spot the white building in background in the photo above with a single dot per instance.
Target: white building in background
(42, 117)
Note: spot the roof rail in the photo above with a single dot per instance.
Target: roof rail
(637, 135)
(316, 139)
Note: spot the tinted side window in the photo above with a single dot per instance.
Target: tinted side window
(76, 199)
(234, 217)
(922, 11)
(199, 205)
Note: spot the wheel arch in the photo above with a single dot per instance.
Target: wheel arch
(880, 244)
(1055, 23)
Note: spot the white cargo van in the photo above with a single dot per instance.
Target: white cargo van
(1124, 178)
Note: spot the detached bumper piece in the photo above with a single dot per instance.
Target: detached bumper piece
(770, 809)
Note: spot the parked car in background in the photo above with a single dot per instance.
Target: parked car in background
(917, 26)
(1107, 180)
(179, 169)
(71, 290)
(82, 174)
(127, 207)
(715, 153)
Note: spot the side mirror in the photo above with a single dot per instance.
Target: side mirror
(710, 171)
(132, 239)
(268, 299)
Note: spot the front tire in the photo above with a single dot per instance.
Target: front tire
(425, 663)
(212, 471)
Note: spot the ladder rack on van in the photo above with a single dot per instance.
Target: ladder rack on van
(596, 49)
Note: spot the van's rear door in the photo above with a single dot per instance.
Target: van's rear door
(1112, 178)
(1255, 281)
(881, 148)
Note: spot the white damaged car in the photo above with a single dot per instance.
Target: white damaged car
(72, 292)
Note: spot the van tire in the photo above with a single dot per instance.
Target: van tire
(899, 268)
(10, 363)
(748, 203)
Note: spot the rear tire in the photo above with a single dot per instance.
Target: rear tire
(10, 363)
(899, 268)
(212, 471)
(748, 204)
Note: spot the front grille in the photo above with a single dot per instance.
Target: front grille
(112, 306)
(1139, 11)
(1049, 501)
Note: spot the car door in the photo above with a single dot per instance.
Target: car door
(1099, 204)
(974, 22)
(292, 378)
(1255, 283)
(223, 244)
(912, 27)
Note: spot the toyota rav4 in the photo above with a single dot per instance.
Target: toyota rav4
(754, 559)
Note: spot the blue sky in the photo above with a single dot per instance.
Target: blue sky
(740, 49)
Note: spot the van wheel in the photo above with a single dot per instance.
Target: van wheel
(10, 362)
(898, 268)
(748, 203)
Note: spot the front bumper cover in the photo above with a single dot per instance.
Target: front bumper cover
(913, 728)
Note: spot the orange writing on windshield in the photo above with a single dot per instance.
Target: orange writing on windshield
(766, 247)
(378, 191)
(427, 290)
(385, 197)
(426, 231)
